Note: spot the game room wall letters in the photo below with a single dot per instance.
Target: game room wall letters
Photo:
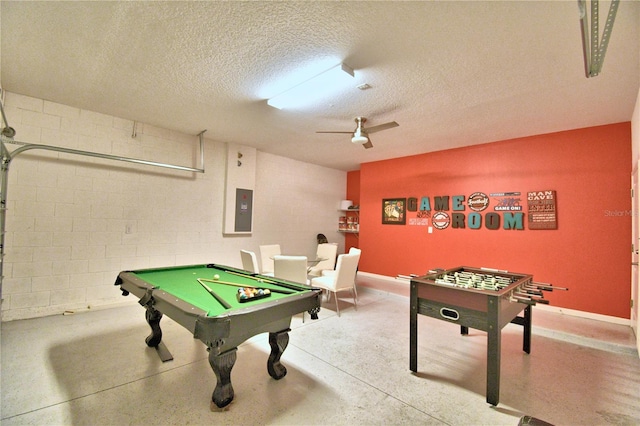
(498, 210)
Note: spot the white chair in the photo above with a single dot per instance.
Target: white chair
(291, 268)
(326, 251)
(342, 279)
(249, 261)
(357, 252)
(354, 250)
(266, 257)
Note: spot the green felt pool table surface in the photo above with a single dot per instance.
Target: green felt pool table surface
(182, 282)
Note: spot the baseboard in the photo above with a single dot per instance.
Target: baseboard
(46, 311)
(583, 314)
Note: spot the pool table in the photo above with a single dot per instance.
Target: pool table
(204, 299)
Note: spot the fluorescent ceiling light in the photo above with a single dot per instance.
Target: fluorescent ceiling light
(311, 90)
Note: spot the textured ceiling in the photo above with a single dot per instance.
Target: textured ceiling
(450, 73)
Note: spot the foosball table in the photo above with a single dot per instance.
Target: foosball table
(480, 298)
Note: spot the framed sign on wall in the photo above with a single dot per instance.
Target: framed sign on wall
(542, 209)
(394, 211)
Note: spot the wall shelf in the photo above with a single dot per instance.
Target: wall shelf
(349, 223)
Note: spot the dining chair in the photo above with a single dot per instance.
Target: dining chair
(355, 251)
(267, 252)
(292, 268)
(326, 251)
(342, 279)
(249, 261)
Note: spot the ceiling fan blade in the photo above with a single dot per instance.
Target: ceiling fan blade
(379, 127)
(368, 144)
(346, 133)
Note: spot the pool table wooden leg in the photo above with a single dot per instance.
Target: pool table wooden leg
(278, 342)
(153, 318)
(222, 365)
(154, 340)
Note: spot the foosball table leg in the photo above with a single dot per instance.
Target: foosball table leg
(526, 336)
(493, 366)
(413, 328)
(494, 337)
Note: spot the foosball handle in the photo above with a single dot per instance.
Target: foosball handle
(522, 300)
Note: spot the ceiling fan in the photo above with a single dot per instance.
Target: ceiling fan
(360, 135)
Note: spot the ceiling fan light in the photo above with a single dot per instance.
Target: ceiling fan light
(359, 139)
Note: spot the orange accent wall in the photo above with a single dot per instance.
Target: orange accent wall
(590, 252)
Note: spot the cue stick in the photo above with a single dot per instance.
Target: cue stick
(268, 281)
(244, 285)
(215, 295)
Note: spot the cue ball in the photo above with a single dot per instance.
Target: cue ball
(216, 277)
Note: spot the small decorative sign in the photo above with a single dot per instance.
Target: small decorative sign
(441, 220)
(394, 211)
(507, 201)
(542, 210)
(478, 201)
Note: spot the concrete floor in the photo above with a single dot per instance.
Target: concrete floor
(95, 369)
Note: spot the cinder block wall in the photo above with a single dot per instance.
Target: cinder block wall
(74, 222)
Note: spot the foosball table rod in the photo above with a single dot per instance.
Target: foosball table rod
(548, 287)
(519, 299)
(531, 290)
(530, 297)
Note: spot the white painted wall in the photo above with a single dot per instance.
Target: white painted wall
(74, 222)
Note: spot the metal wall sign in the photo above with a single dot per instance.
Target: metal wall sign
(495, 211)
(542, 210)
